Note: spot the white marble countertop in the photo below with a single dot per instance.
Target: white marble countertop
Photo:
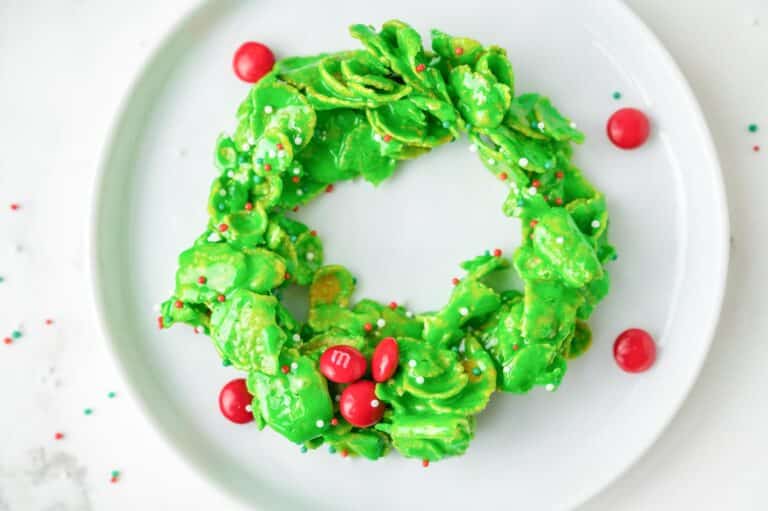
(64, 67)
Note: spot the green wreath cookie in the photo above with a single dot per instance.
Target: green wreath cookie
(364, 376)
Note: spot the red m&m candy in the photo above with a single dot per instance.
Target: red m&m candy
(628, 128)
(342, 364)
(235, 402)
(385, 359)
(634, 350)
(359, 404)
(252, 61)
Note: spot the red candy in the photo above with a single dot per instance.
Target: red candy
(252, 61)
(385, 359)
(634, 350)
(233, 399)
(628, 128)
(342, 364)
(359, 404)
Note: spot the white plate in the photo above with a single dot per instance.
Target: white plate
(540, 451)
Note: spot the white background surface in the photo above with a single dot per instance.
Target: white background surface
(64, 66)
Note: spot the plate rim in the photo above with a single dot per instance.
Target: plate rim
(95, 277)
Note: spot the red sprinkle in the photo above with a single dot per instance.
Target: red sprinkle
(536, 183)
(455, 281)
(223, 227)
(7, 340)
(313, 233)
(420, 68)
(387, 137)
(496, 252)
(459, 51)
(503, 176)
(558, 201)
(248, 206)
(533, 223)
(15, 206)
(267, 167)
(279, 146)
(221, 298)
(178, 304)
(329, 188)
(295, 208)
(393, 305)
(201, 279)
(287, 276)
(334, 422)
(344, 453)
(515, 346)
(295, 179)
(159, 323)
(559, 174)
(196, 330)
(425, 463)
(48, 321)
(285, 369)
(367, 327)
(58, 436)
(113, 480)
(756, 148)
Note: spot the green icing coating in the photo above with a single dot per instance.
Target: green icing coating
(318, 120)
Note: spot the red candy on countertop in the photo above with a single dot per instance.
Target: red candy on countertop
(252, 61)
(634, 350)
(342, 364)
(385, 359)
(233, 400)
(359, 404)
(628, 128)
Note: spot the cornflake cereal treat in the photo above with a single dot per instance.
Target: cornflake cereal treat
(314, 121)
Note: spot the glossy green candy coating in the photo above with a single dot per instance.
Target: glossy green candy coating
(318, 120)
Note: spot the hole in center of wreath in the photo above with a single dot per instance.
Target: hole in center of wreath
(404, 240)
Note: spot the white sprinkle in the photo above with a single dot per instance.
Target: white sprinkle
(319, 423)
(310, 256)
(337, 398)
(549, 387)
(412, 363)
(381, 323)
(298, 140)
(559, 240)
(281, 154)
(294, 365)
(523, 162)
(230, 174)
(248, 408)
(214, 236)
(267, 109)
(507, 369)
(246, 146)
(377, 137)
(296, 171)
(463, 311)
(420, 380)
(156, 307)
(532, 190)
(540, 126)
(222, 192)
(491, 162)
(472, 148)
(272, 153)
(408, 314)
(296, 337)
(251, 140)
(572, 125)
(375, 403)
(595, 224)
(299, 192)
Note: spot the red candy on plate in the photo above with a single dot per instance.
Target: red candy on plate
(385, 359)
(634, 350)
(359, 404)
(233, 400)
(628, 128)
(342, 364)
(252, 61)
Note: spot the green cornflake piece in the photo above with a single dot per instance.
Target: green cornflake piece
(317, 120)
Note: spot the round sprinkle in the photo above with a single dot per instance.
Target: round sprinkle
(496, 252)
(506, 369)
(752, 128)
(420, 380)
(408, 314)
(412, 363)
(329, 188)
(320, 423)
(285, 369)
(377, 137)
(299, 192)
(532, 190)
(420, 68)
(223, 193)
(294, 366)
(375, 403)
(533, 223)
(334, 421)
(459, 51)
(15, 206)
(267, 167)
(559, 201)
(58, 436)
(268, 109)
(572, 125)
(202, 280)
(425, 463)
(381, 323)
(455, 281)
(303, 449)
(344, 453)
(296, 337)
(755, 148)
(367, 327)
(491, 161)
(559, 174)
(111, 395)
(221, 298)
(559, 240)
(223, 227)
(49, 321)
(331, 449)
(549, 387)
(617, 95)
(88, 411)
(16, 334)
(337, 398)
(387, 138)
(463, 311)
(503, 176)
(540, 125)
(296, 171)
(523, 162)
(310, 256)
(476, 371)
(472, 148)
(178, 304)
(393, 305)
(595, 224)
(536, 183)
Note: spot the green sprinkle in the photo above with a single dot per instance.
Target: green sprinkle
(476, 371)
(617, 95)
(752, 128)
(88, 411)
(2, 279)
(303, 449)
(354, 280)
(115, 473)
(16, 334)
(225, 362)
(331, 449)
(110, 395)
(487, 253)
